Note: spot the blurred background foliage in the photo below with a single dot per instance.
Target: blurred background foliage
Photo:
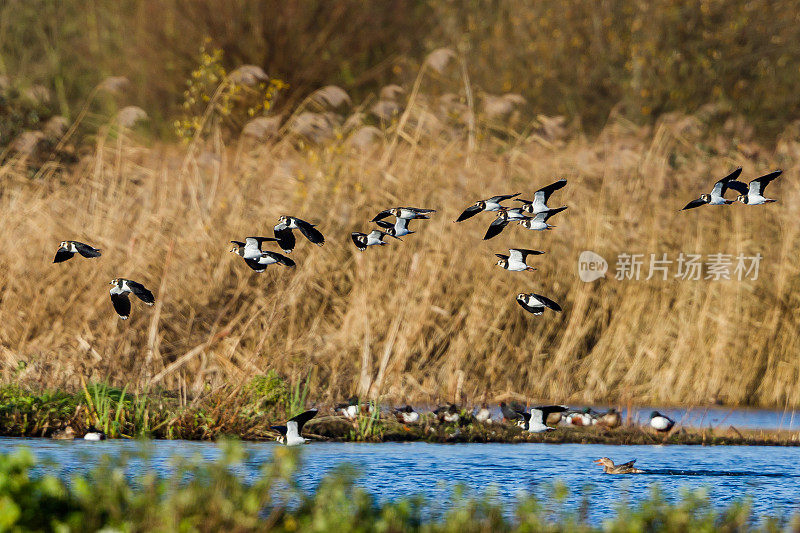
(584, 60)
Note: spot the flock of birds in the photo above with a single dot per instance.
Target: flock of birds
(252, 252)
(532, 214)
(539, 419)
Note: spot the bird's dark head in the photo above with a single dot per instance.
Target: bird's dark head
(502, 262)
(705, 197)
(63, 244)
(395, 211)
(654, 414)
(742, 198)
(236, 247)
(481, 204)
(284, 219)
(114, 281)
(521, 296)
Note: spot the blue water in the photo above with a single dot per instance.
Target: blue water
(769, 475)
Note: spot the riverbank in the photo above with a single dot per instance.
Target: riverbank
(248, 412)
(210, 495)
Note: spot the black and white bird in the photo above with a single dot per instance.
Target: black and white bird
(515, 261)
(540, 198)
(69, 248)
(717, 196)
(290, 434)
(255, 257)
(373, 238)
(490, 204)
(755, 191)
(349, 409)
(539, 221)
(398, 229)
(119, 295)
(408, 213)
(661, 423)
(447, 413)
(94, 434)
(285, 236)
(406, 415)
(504, 216)
(538, 416)
(535, 303)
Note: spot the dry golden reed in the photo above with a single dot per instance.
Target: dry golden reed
(431, 318)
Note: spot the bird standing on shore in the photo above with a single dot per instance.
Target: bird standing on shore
(661, 423)
(406, 415)
(67, 249)
(290, 434)
(119, 295)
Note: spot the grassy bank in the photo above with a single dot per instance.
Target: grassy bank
(248, 413)
(202, 496)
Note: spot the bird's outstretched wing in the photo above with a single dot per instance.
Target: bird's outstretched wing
(310, 232)
(547, 302)
(141, 292)
(285, 238)
(693, 204)
(122, 305)
(302, 418)
(87, 251)
(469, 212)
(495, 228)
(62, 255)
(280, 258)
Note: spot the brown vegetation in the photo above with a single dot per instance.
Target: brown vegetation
(429, 318)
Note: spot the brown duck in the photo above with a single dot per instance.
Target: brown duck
(625, 468)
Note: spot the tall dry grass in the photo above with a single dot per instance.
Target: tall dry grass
(433, 317)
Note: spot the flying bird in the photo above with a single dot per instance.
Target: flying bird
(490, 204)
(398, 229)
(540, 198)
(515, 261)
(538, 415)
(119, 295)
(285, 236)
(258, 259)
(661, 423)
(755, 191)
(539, 221)
(504, 216)
(290, 433)
(69, 248)
(408, 213)
(373, 238)
(535, 303)
(717, 196)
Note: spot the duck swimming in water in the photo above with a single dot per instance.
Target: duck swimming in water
(625, 468)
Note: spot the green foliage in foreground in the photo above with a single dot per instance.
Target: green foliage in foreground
(211, 497)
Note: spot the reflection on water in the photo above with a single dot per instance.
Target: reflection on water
(392, 470)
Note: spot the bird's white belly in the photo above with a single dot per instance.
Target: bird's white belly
(659, 423)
